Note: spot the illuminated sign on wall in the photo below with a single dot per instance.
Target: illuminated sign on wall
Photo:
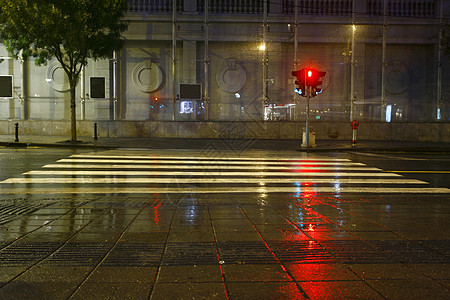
(186, 107)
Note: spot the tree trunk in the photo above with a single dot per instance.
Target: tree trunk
(73, 114)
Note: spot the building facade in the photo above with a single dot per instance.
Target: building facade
(222, 68)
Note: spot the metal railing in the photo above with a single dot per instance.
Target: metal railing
(306, 7)
(402, 8)
(153, 6)
(319, 7)
(236, 6)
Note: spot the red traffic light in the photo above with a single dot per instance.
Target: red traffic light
(309, 77)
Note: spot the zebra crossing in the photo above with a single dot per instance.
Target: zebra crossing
(124, 173)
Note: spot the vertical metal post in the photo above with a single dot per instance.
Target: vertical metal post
(23, 99)
(308, 95)
(295, 33)
(352, 66)
(383, 65)
(174, 58)
(16, 132)
(206, 56)
(439, 70)
(296, 96)
(264, 59)
(115, 85)
(83, 94)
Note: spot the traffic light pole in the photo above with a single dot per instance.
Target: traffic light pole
(308, 95)
(308, 80)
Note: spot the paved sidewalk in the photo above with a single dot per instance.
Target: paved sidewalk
(196, 231)
(221, 144)
(179, 232)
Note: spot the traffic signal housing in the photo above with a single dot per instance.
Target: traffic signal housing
(308, 79)
(154, 102)
(316, 81)
(300, 82)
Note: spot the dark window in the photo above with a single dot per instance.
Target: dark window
(6, 86)
(190, 91)
(98, 87)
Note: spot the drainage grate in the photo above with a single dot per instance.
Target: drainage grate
(26, 254)
(355, 252)
(134, 255)
(11, 211)
(232, 252)
(359, 252)
(301, 252)
(245, 253)
(413, 252)
(442, 246)
(79, 254)
(190, 254)
(119, 204)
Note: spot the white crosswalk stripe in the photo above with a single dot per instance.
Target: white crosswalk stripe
(201, 167)
(131, 174)
(107, 180)
(210, 162)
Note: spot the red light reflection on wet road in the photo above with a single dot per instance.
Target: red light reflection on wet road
(306, 168)
(310, 268)
(156, 213)
(291, 291)
(307, 193)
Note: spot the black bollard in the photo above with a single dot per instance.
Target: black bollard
(17, 133)
(95, 131)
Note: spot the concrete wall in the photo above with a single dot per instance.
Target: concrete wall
(424, 132)
(232, 73)
(233, 65)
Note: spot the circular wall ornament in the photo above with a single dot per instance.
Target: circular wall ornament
(231, 78)
(147, 77)
(57, 78)
(397, 78)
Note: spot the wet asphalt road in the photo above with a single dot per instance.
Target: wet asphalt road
(14, 162)
(432, 168)
(83, 224)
